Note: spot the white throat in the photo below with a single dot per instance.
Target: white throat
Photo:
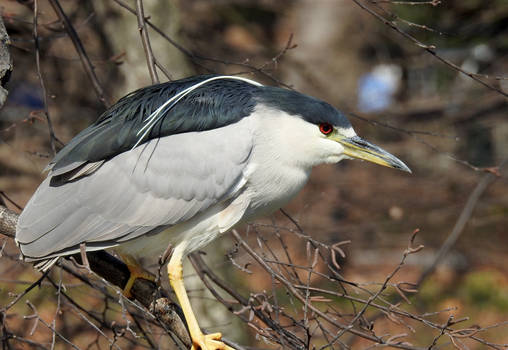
(286, 148)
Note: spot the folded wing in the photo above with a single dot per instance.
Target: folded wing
(158, 184)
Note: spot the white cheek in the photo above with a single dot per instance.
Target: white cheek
(333, 151)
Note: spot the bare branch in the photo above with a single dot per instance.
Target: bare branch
(430, 49)
(463, 219)
(52, 136)
(117, 273)
(150, 59)
(87, 65)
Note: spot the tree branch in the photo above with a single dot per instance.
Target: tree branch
(5, 61)
(116, 272)
(52, 136)
(431, 49)
(461, 222)
(143, 31)
(87, 64)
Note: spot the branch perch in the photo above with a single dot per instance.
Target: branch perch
(116, 272)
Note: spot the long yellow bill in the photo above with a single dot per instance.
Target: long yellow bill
(356, 147)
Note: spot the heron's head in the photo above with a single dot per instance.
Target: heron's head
(315, 132)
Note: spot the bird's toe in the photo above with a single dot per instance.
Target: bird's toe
(209, 342)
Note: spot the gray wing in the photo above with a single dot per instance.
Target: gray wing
(158, 184)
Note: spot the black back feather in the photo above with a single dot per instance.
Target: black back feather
(215, 104)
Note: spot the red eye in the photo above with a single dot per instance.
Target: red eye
(325, 128)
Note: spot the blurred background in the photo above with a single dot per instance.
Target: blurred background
(403, 89)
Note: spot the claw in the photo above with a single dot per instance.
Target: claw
(209, 342)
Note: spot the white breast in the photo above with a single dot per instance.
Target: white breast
(281, 161)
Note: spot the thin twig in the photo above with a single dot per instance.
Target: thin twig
(145, 39)
(196, 58)
(429, 48)
(87, 64)
(25, 292)
(463, 219)
(50, 327)
(316, 310)
(51, 131)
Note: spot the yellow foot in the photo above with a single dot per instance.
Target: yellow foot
(136, 272)
(209, 342)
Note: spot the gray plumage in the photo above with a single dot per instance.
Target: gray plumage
(190, 158)
(146, 190)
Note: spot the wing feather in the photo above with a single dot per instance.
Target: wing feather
(159, 184)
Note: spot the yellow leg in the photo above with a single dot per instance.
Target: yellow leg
(200, 341)
(136, 271)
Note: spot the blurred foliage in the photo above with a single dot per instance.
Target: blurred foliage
(479, 289)
(486, 289)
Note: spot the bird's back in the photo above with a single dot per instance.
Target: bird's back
(103, 190)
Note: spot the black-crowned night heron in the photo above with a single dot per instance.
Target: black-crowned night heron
(181, 163)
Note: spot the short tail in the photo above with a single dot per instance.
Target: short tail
(45, 265)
